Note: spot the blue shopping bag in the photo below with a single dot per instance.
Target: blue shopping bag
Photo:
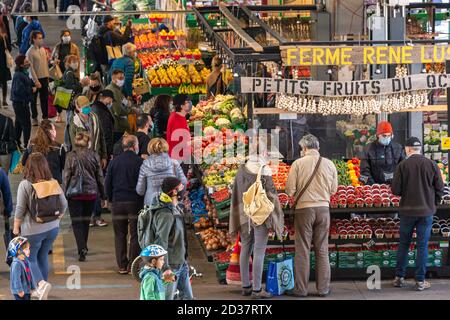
(280, 276)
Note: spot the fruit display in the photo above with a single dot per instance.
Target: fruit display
(354, 171)
(170, 74)
(288, 233)
(342, 170)
(219, 181)
(348, 172)
(220, 112)
(279, 175)
(140, 86)
(444, 170)
(446, 196)
(203, 223)
(364, 196)
(221, 195)
(433, 132)
(214, 239)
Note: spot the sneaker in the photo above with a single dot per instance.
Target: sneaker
(92, 223)
(34, 122)
(100, 223)
(261, 295)
(422, 285)
(293, 293)
(44, 290)
(399, 282)
(59, 119)
(123, 271)
(246, 292)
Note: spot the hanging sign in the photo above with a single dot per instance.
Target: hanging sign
(345, 88)
(343, 55)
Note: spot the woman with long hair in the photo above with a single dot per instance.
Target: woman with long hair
(82, 164)
(44, 141)
(40, 235)
(160, 115)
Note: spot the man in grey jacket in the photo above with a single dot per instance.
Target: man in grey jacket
(170, 233)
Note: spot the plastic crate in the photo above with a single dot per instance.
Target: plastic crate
(221, 266)
(223, 213)
(223, 204)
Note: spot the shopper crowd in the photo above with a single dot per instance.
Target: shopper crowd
(115, 155)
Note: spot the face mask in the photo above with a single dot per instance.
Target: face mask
(180, 195)
(66, 39)
(136, 151)
(26, 66)
(74, 65)
(95, 88)
(109, 106)
(171, 107)
(39, 43)
(190, 106)
(120, 83)
(117, 28)
(86, 110)
(385, 140)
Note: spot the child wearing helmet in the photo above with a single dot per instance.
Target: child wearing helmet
(152, 284)
(22, 283)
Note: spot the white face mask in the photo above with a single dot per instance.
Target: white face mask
(66, 39)
(120, 83)
(74, 65)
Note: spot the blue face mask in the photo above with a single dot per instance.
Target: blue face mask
(385, 141)
(86, 110)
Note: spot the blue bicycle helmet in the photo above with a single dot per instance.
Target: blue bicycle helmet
(15, 245)
(153, 251)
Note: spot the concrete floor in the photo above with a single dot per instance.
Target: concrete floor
(99, 279)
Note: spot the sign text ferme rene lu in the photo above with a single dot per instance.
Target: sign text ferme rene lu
(344, 55)
(345, 88)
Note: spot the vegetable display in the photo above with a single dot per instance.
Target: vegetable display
(214, 239)
(364, 196)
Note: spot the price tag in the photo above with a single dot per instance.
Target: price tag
(445, 143)
(288, 116)
(210, 190)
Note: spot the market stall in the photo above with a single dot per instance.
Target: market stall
(344, 121)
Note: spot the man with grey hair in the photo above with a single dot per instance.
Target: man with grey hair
(126, 64)
(419, 182)
(311, 181)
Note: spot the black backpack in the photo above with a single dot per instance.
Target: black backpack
(97, 51)
(45, 202)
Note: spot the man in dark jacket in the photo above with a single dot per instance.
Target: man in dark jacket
(120, 185)
(419, 182)
(170, 233)
(109, 36)
(144, 125)
(102, 108)
(381, 157)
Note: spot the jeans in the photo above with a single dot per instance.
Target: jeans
(43, 98)
(26, 296)
(256, 242)
(43, 6)
(124, 215)
(22, 122)
(423, 230)
(97, 212)
(80, 214)
(40, 245)
(182, 283)
(67, 142)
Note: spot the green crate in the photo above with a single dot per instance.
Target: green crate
(223, 213)
(221, 266)
(411, 263)
(333, 255)
(347, 265)
(223, 204)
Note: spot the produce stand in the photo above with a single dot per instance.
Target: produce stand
(355, 132)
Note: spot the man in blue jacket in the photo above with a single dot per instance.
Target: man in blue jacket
(33, 25)
(126, 64)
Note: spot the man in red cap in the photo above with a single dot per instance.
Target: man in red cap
(381, 157)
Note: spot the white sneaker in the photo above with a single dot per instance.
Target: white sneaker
(35, 295)
(44, 290)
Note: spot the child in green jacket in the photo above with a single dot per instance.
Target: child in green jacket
(152, 284)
